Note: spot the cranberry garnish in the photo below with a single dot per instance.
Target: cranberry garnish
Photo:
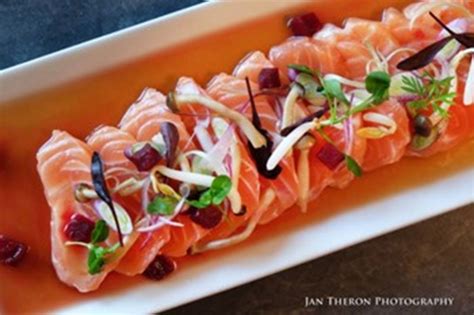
(330, 156)
(11, 251)
(159, 268)
(79, 228)
(304, 25)
(144, 158)
(207, 217)
(268, 78)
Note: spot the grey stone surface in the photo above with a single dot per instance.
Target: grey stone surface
(32, 28)
(430, 259)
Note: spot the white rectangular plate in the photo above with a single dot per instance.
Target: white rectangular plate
(263, 256)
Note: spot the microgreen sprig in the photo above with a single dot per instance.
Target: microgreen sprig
(430, 92)
(163, 205)
(97, 256)
(215, 195)
(377, 83)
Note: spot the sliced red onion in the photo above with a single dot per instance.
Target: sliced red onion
(468, 97)
(144, 194)
(403, 99)
(144, 156)
(348, 135)
(269, 78)
(222, 147)
(292, 74)
(160, 221)
(330, 156)
(304, 25)
(203, 137)
(459, 25)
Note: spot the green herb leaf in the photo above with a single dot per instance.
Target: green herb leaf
(333, 89)
(220, 188)
(204, 200)
(163, 205)
(302, 69)
(96, 260)
(377, 83)
(352, 165)
(100, 232)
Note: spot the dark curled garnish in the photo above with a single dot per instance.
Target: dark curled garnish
(11, 252)
(317, 114)
(425, 56)
(159, 268)
(262, 154)
(171, 138)
(100, 187)
(465, 39)
(79, 228)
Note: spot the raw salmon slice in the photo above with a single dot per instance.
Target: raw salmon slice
(111, 143)
(143, 121)
(310, 52)
(63, 163)
(244, 175)
(391, 148)
(457, 128)
(232, 92)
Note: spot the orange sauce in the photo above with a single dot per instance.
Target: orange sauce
(102, 98)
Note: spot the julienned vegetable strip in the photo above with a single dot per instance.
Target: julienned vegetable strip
(252, 134)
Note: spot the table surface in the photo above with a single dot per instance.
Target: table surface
(430, 259)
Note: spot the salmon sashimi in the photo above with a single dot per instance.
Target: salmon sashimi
(149, 106)
(143, 120)
(447, 11)
(251, 65)
(222, 146)
(453, 130)
(313, 53)
(342, 67)
(199, 169)
(311, 180)
(409, 36)
(232, 92)
(111, 143)
(64, 162)
(391, 146)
